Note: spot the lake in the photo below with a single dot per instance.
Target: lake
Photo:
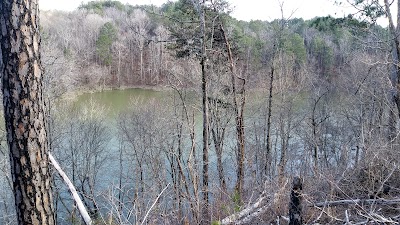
(116, 101)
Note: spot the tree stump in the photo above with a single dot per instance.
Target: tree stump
(295, 203)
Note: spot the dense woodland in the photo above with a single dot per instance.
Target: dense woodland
(251, 105)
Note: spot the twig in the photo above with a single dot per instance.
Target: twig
(154, 203)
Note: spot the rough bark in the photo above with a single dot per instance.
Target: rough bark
(24, 111)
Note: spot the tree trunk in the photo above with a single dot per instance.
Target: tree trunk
(204, 80)
(205, 134)
(268, 141)
(314, 140)
(218, 144)
(395, 76)
(295, 216)
(141, 65)
(239, 114)
(119, 68)
(24, 111)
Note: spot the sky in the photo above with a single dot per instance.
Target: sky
(243, 9)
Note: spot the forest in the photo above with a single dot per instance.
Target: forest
(249, 116)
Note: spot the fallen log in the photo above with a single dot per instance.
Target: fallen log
(248, 213)
(74, 193)
(357, 202)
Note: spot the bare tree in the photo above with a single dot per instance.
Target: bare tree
(139, 24)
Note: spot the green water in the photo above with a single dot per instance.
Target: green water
(116, 101)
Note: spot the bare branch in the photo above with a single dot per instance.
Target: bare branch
(154, 203)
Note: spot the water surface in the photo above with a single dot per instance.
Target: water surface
(116, 101)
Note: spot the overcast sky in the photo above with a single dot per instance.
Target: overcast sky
(243, 9)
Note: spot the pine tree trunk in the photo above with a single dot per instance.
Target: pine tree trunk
(24, 111)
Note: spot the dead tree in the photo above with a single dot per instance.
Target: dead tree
(295, 203)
